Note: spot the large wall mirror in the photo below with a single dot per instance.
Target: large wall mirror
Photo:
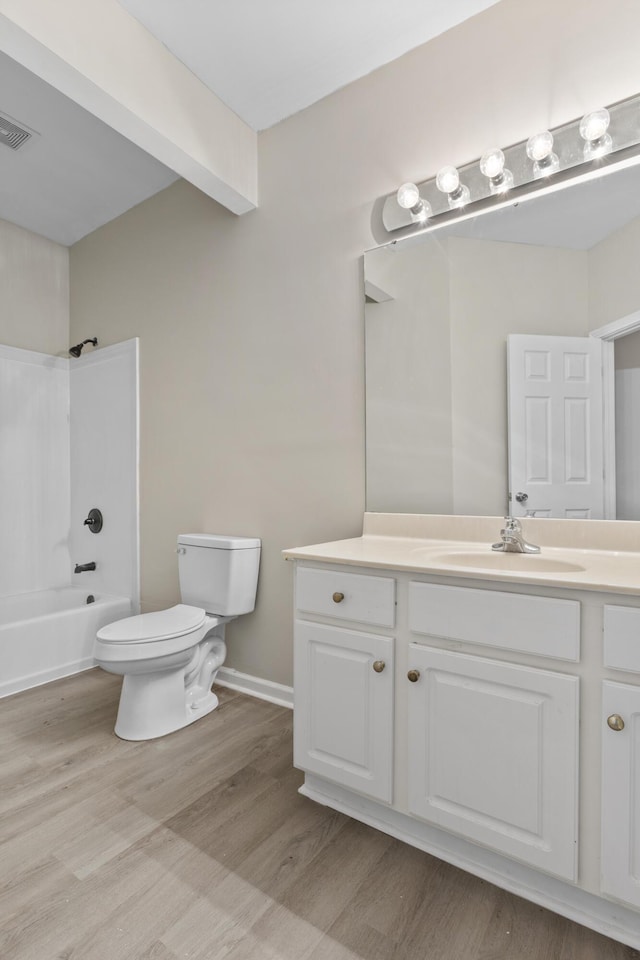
(548, 289)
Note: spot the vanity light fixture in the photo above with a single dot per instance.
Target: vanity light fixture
(492, 165)
(506, 175)
(448, 181)
(409, 198)
(539, 149)
(594, 131)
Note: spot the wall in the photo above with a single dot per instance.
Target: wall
(251, 330)
(35, 291)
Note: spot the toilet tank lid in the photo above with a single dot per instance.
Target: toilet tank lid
(218, 542)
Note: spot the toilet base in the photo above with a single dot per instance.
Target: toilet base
(162, 701)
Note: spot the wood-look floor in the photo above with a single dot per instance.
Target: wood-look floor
(198, 846)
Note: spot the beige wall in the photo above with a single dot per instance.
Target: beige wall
(252, 329)
(35, 291)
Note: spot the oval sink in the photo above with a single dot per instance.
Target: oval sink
(516, 562)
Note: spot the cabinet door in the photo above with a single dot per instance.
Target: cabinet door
(343, 708)
(493, 755)
(621, 793)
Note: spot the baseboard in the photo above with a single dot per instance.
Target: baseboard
(255, 687)
(19, 684)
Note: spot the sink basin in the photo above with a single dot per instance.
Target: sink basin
(509, 562)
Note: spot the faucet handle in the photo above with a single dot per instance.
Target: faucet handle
(513, 524)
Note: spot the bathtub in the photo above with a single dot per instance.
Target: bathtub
(50, 634)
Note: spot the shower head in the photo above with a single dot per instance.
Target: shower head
(77, 350)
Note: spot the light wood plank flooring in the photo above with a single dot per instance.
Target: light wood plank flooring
(198, 846)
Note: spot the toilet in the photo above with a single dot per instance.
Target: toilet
(169, 659)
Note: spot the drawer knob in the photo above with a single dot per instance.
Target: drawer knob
(338, 597)
(378, 665)
(615, 721)
(413, 675)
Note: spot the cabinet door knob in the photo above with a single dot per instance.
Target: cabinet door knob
(615, 721)
(413, 675)
(338, 597)
(378, 665)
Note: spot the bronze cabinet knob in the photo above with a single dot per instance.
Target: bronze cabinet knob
(338, 597)
(413, 675)
(615, 722)
(378, 665)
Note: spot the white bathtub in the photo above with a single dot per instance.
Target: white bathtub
(50, 634)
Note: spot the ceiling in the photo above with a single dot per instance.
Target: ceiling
(265, 59)
(75, 173)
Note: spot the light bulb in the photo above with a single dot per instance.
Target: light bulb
(448, 180)
(492, 163)
(408, 195)
(540, 149)
(492, 166)
(593, 130)
(594, 125)
(540, 146)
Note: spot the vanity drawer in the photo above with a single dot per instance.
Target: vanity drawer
(346, 596)
(512, 621)
(622, 638)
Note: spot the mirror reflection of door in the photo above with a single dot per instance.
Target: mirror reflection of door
(556, 462)
(627, 432)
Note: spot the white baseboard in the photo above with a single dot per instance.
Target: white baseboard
(18, 684)
(255, 687)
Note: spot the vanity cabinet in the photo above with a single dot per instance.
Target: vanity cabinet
(620, 836)
(620, 864)
(478, 720)
(493, 754)
(344, 680)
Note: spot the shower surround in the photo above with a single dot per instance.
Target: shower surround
(68, 442)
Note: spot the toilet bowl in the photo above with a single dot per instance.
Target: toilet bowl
(169, 659)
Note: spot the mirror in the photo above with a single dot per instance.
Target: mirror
(439, 310)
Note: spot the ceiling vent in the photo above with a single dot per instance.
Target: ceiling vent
(11, 135)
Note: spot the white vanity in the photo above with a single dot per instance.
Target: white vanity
(483, 707)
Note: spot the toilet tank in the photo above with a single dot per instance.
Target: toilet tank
(219, 574)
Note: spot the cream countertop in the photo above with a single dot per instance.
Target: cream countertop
(578, 554)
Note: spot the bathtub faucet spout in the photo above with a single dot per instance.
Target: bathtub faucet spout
(83, 567)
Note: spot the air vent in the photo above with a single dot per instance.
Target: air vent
(11, 135)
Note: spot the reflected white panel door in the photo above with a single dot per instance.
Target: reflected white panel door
(343, 709)
(621, 792)
(556, 433)
(493, 755)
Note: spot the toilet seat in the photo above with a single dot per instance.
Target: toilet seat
(158, 626)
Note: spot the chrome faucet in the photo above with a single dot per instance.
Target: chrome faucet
(512, 540)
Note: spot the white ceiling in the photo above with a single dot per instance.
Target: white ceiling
(267, 59)
(75, 173)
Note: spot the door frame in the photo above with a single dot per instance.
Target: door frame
(608, 334)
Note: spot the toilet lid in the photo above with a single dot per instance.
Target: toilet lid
(174, 622)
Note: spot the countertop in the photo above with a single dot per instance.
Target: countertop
(607, 570)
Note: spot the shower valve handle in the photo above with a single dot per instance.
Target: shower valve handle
(94, 521)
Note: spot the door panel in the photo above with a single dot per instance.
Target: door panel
(556, 458)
